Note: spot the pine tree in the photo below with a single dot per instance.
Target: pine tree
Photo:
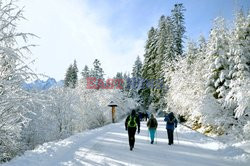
(192, 52)
(74, 74)
(202, 44)
(161, 47)
(148, 68)
(136, 71)
(67, 79)
(239, 65)
(218, 48)
(85, 72)
(179, 27)
(170, 56)
(136, 79)
(71, 77)
(97, 71)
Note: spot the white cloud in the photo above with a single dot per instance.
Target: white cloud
(68, 30)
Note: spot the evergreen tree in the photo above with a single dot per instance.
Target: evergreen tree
(169, 57)
(149, 65)
(192, 52)
(119, 75)
(119, 80)
(74, 74)
(179, 27)
(148, 68)
(161, 47)
(85, 72)
(71, 76)
(136, 71)
(202, 44)
(67, 80)
(218, 48)
(97, 71)
(127, 82)
(136, 79)
(239, 66)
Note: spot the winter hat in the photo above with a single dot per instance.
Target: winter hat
(152, 115)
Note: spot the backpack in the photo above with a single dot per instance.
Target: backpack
(132, 121)
(171, 121)
(152, 123)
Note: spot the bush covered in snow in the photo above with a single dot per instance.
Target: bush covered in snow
(67, 111)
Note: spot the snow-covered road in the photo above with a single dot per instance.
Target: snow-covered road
(109, 146)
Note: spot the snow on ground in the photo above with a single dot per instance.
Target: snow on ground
(109, 146)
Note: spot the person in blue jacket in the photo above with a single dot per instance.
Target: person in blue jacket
(170, 126)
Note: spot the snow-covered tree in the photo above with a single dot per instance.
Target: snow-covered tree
(210, 91)
(217, 51)
(97, 71)
(85, 72)
(136, 79)
(136, 71)
(14, 101)
(71, 76)
(149, 65)
(179, 27)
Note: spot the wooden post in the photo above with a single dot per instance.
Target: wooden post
(113, 114)
(113, 105)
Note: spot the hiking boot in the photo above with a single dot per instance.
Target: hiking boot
(152, 142)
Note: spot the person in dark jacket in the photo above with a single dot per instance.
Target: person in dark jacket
(131, 124)
(152, 125)
(170, 126)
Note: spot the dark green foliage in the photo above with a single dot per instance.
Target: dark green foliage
(179, 27)
(85, 73)
(71, 76)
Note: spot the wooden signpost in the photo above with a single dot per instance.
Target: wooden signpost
(113, 105)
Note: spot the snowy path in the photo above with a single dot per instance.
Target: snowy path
(109, 146)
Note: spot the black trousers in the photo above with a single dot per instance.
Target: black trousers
(131, 136)
(170, 136)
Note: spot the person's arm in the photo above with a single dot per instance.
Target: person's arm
(126, 123)
(166, 118)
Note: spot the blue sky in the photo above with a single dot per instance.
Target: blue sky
(113, 31)
(135, 17)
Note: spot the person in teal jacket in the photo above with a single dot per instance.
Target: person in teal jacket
(152, 126)
(170, 126)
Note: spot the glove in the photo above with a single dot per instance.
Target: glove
(138, 131)
(175, 126)
(126, 128)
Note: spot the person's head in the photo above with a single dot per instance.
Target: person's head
(133, 112)
(171, 115)
(152, 116)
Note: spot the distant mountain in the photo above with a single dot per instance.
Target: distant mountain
(43, 85)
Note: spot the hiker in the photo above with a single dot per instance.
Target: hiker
(170, 126)
(140, 116)
(146, 116)
(152, 125)
(131, 124)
